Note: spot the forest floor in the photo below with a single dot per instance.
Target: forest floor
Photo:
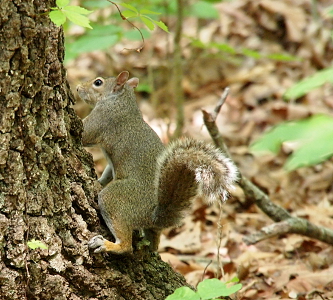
(283, 267)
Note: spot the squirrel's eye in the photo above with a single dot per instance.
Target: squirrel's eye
(98, 82)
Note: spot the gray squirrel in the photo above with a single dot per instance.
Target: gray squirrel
(146, 185)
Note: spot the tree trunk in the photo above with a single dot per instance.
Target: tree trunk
(47, 180)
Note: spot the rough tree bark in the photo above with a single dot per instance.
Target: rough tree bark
(47, 181)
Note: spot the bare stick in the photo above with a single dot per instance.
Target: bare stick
(285, 222)
(219, 105)
(210, 119)
(291, 225)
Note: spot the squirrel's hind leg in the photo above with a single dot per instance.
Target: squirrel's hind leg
(123, 243)
(100, 244)
(119, 229)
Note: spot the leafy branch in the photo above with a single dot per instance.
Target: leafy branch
(132, 12)
(63, 11)
(143, 15)
(76, 14)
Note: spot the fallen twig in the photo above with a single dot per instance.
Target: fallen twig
(285, 222)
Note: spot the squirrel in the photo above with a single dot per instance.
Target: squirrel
(146, 185)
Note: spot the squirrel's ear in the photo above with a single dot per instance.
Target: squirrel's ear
(133, 82)
(121, 80)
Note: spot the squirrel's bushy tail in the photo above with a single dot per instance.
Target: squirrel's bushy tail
(188, 168)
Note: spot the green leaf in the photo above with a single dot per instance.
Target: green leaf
(199, 44)
(129, 14)
(233, 289)
(94, 4)
(273, 139)
(161, 25)
(148, 12)
(251, 53)
(78, 9)
(312, 140)
(77, 19)
(92, 43)
(224, 47)
(100, 38)
(306, 85)
(104, 30)
(129, 6)
(134, 35)
(245, 51)
(282, 57)
(149, 23)
(211, 288)
(204, 10)
(233, 280)
(144, 88)
(57, 17)
(183, 293)
(311, 153)
(62, 3)
(34, 244)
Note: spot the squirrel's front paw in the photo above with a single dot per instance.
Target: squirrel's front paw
(97, 243)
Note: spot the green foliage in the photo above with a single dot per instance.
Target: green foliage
(100, 38)
(135, 35)
(311, 140)
(95, 4)
(34, 244)
(143, 15)
(105, 35)
(144, 87)
(207, 289)
(151, 9)
(183, 293)
(312, 82)
(306, 85)
(226, 48)
(204, 10)
(63, 11)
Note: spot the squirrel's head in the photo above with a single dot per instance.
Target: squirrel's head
(101, 88)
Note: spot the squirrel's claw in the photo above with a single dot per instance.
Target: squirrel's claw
(97, 243)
